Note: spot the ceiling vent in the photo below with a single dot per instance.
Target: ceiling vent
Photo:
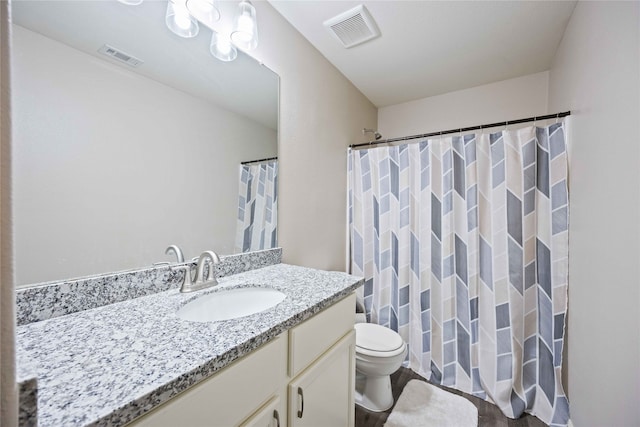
(353, 27)
(120, 55)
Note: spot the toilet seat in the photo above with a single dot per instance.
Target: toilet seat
(378, 341)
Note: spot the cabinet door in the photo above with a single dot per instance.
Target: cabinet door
(270, 415)
(322, 395)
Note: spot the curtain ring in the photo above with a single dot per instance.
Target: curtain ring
(557, 116)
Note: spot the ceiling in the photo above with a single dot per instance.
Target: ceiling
(242, 86)
(427, 48)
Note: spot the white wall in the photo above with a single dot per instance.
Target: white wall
(496, 102)
(321, 113)
(596, 74)
(111, 167)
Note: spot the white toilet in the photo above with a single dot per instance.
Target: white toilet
(379, 353)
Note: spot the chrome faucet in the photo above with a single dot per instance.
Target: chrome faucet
(199, 281)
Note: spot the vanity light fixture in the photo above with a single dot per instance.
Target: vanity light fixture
(179, 20)
(183, 15)
(245, 30)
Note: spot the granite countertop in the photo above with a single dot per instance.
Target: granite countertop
(108, 365)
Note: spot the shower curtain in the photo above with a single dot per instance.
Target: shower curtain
(463, 243)
(257, 207)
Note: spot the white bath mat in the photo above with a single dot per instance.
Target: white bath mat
(424, 405)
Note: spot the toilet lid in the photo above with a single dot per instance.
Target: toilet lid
(370, 336)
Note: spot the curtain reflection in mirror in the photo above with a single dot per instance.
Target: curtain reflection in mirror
(257, 206)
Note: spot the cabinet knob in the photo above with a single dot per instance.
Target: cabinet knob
(301, 400)
(276, 417)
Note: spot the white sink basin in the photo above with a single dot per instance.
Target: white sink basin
(230, 304)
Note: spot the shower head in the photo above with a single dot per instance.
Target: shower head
(375, 133)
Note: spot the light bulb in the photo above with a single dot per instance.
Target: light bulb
(179, 21)
(222, 48)
(245, 28)
(245, 31)
(182, 20)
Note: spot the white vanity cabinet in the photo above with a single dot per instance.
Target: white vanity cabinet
(312, 365)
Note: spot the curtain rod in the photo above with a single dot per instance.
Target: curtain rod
(445, 132)
(258, 161)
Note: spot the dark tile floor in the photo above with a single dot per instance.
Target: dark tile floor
(488, 414)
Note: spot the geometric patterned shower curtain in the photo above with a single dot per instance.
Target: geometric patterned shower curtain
(257, 207)
(463, 243)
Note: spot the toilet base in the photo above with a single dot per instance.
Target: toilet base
(373, 392)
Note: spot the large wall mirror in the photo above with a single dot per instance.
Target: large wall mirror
(113, 163)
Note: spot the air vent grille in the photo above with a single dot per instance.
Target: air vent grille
(353, 27)
(120, 55)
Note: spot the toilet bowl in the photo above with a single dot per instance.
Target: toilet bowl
(379, 353)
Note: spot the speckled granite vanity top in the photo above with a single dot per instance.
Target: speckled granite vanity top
(108, 365)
